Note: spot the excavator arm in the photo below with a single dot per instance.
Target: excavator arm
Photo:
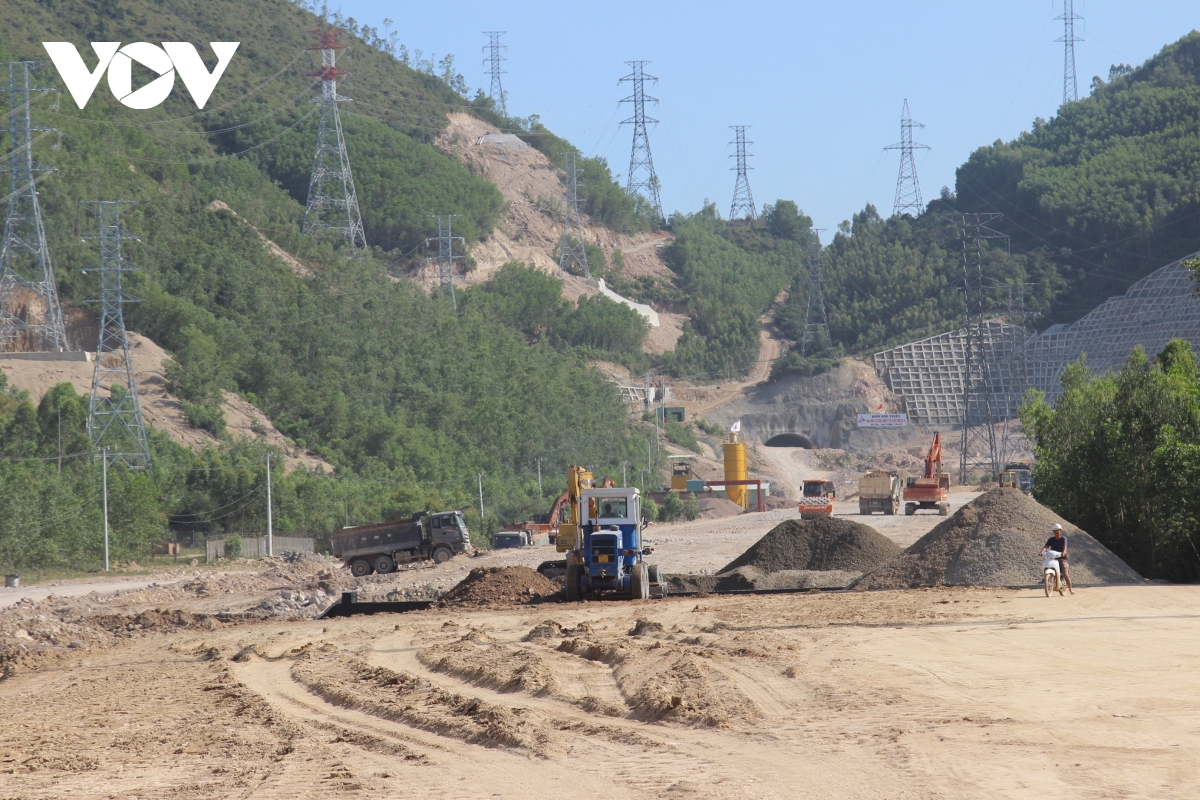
(933, 461)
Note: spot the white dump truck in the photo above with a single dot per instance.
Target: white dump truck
(880, 490)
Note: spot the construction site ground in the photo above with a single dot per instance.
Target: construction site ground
(199, 683)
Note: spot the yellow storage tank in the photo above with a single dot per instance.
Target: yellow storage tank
(735, 469)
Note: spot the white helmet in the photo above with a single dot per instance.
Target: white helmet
(1056, 527)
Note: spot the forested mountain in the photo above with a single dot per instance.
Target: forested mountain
(409, 398)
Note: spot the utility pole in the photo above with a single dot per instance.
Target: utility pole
(1070, 82)
(27, 286)
(572, 253)
(743, 200)
(270, 516)
(539, 467)
(332, 208)
(979, 413)
(624, 482)
(816, 339)
(642, 177)
(479, 476)
(104, 472)
(59, 441)
(445, 257)
(494, 50)
(908, 189)
(115, 419)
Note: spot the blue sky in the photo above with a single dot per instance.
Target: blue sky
(822, 84)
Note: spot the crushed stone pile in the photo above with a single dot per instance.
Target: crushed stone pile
(746, 578)
(994, 541)
(822, 544)
(718, 508)
(500, 586)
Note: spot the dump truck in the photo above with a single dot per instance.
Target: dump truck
(880, 490)
(380, 547)
(608, 558)
(930, 491)
(816, 498)
(1018, 475)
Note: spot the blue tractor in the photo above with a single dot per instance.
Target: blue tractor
(608, 557)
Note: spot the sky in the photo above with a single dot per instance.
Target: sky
(821, 84)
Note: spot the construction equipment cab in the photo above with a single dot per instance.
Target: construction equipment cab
(932, 489)
(608, 556)
(1018, 475)
(816, 499)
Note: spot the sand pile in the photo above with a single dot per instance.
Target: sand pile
(502, 586)
(994, 541)
(825, 543)
(718, 508)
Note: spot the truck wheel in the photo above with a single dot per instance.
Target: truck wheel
(384, 565)
(571, 587)
(892, 509)
(639, 582)
(944, 510)
(360, 568)
(910, 509)
(442, 555)
(862, 509)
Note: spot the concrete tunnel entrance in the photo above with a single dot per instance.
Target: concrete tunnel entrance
(790, 440)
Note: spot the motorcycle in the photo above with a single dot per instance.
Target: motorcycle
(1051, 572)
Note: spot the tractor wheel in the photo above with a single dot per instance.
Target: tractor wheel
(639, 582)
(572, 588)
(656, 573)
(384, 565)
(360, 568)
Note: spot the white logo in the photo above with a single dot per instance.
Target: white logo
(164, 61)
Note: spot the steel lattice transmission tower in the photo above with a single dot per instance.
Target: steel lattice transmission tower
(642, 177)
(445, 257)
(495, 55)
(908, 188)
(743, 200)
(1070, 81)
(26, 273)
(572, 253)
(332, 202)
(1017, 377)
(979, 446)
(115, 421)
(816, 340)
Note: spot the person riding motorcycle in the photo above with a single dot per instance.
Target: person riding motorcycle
(1058, 543)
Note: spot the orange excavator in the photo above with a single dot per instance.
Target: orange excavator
(543, 523)
(931, 490)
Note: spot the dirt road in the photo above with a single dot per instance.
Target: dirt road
(931, 694)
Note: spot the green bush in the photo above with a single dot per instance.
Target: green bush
(682, 435)
(792, 363)
(233, 547)
(671, 508)
(691, 508)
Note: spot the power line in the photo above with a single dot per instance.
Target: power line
(1070, 82)
(642, 177)
(332, 201)
(908, 188)
(743, 200)
(493, 48)
(115, 424)
(30, 314)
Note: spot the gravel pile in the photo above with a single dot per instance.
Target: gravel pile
(822, 544)
(744, 578)
(994, 541)
(499, 586)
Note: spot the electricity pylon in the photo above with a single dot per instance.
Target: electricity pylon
(115, 424)
(495, 55)
(572, 253)
(908, 188)
(979, 446)
(642, 177)
(1070, 81)
(332, 202)
(26, 273)
(445, 257)
(815, 340)
(743, 200)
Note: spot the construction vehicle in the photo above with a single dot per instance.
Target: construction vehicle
(880, 490)
(578, 479)
(503, 540)
(1018, 475)
(931, 490)
(608, 556)
(542, 524)
(681, 472)
(380, 547)
(816, 498)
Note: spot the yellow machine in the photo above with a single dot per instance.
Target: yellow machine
(735, 468)
(681, 472)
(578, 479)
